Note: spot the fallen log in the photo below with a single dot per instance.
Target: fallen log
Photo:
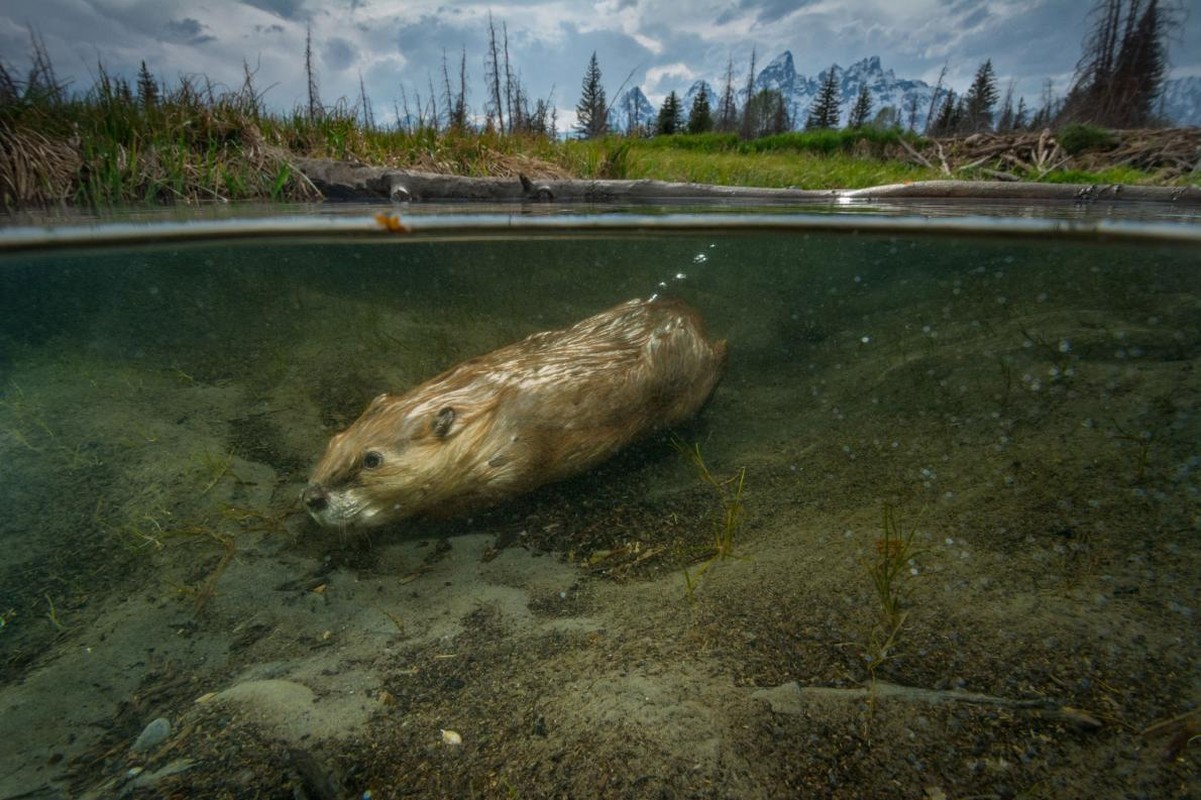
(344, 181)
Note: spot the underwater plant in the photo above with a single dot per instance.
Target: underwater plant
(888, 565)
(731, 517)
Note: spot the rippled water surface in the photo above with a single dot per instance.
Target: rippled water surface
(1000, 425)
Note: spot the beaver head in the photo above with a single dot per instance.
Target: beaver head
(402, 457)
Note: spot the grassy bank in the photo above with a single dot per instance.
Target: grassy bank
(198, 143)
(816, 160)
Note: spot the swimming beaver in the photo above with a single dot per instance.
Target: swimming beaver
(549, 406)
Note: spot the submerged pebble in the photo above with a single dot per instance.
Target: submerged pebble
(152, 735)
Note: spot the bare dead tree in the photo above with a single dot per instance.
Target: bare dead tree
(748, 124)
(315, 110)
(365, 106)
(727, 107)
(492, 76)
(435, 117)
(934, 98)
(509, 88)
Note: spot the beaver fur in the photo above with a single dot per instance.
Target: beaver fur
(542, 409)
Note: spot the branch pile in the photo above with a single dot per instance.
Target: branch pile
(1171, 153)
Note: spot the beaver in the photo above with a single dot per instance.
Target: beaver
(545, 408)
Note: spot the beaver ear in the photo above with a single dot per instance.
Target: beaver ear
(443, 421)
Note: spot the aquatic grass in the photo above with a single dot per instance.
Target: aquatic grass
(887, 569)
(732, 515)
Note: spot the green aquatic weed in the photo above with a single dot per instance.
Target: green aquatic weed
(887, 569)
(731, 516)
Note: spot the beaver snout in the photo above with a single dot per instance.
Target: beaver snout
(314, 497)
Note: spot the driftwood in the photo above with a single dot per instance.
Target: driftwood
(1170, 152)
(345, 181)
(792, 698)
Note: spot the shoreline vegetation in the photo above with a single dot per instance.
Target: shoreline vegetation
(149, 143)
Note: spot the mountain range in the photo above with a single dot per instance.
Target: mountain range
(909, 97)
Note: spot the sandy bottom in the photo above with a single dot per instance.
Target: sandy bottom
(1030, 433)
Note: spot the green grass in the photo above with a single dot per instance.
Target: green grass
(802, 170)
(1112, 175)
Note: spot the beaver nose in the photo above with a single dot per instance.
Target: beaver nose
(315, 497)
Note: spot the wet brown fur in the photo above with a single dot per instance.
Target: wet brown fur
(547, 407)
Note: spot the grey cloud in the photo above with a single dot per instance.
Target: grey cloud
(287, 9)
(186, 31)
(338, 53)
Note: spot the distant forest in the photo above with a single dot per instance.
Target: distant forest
(1117, 83)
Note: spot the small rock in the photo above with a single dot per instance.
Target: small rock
(152, 735)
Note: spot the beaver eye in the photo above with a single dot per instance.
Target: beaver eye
(372, 459)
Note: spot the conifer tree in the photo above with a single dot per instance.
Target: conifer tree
(1005, 117)
(980, 99)
(671, 118)
(945, 121)
(700, 120)
(1019, 116)
(862, 108)
(592, 111)
(147, 87)
(1120, 74)
(1141, 67)
(823, 113)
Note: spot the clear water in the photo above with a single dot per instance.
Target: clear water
(1023, 404)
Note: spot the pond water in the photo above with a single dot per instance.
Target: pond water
(958, 467)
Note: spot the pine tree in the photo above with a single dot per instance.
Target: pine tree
(700, 120)
(862, 108)
(945, 121)
(1005, 117)
(1140, 69)
(980, 99)
(147, 87)
(824, 111)
(671, 118)
(1019, 116)
(592, 111)
(1120, 74)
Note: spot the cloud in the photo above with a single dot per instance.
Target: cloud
(285, 9)
(186, 31)
(338, 54)
(678, 74)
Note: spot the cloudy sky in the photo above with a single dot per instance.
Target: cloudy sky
(663, 44)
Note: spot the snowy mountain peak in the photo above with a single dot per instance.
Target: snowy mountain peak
(907, 100)
(631, 111)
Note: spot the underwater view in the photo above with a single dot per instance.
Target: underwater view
(935, 534)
